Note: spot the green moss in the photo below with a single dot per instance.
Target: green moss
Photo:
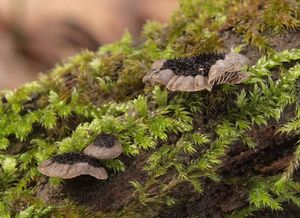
(259, 20)
(103, 92)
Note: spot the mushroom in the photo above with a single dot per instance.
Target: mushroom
(104, 147)
(70, 165)
(198, 72)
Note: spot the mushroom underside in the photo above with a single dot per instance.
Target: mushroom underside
(234, 77)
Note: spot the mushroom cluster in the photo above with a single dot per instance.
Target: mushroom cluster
(198, 72)
(73, 164)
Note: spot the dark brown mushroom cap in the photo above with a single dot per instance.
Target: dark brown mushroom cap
(104, 147)
(228, 70)
(70, 165)
(198, 72)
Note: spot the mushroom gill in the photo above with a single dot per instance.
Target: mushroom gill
(228, 70)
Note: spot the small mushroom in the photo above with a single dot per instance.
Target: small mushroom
(104, 147)
(198, 72)
(70, 165)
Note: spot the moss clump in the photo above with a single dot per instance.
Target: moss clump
(102, 92)
(259, 20)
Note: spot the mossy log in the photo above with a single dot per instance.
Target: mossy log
(233, 151)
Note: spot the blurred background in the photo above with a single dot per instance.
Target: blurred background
(36, 34)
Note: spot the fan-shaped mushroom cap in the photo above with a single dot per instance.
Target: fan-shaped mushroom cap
(104, 147)
(228, 70)
(70, 165)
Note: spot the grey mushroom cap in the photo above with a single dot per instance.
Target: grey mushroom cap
(67, 171)
(103, 150)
